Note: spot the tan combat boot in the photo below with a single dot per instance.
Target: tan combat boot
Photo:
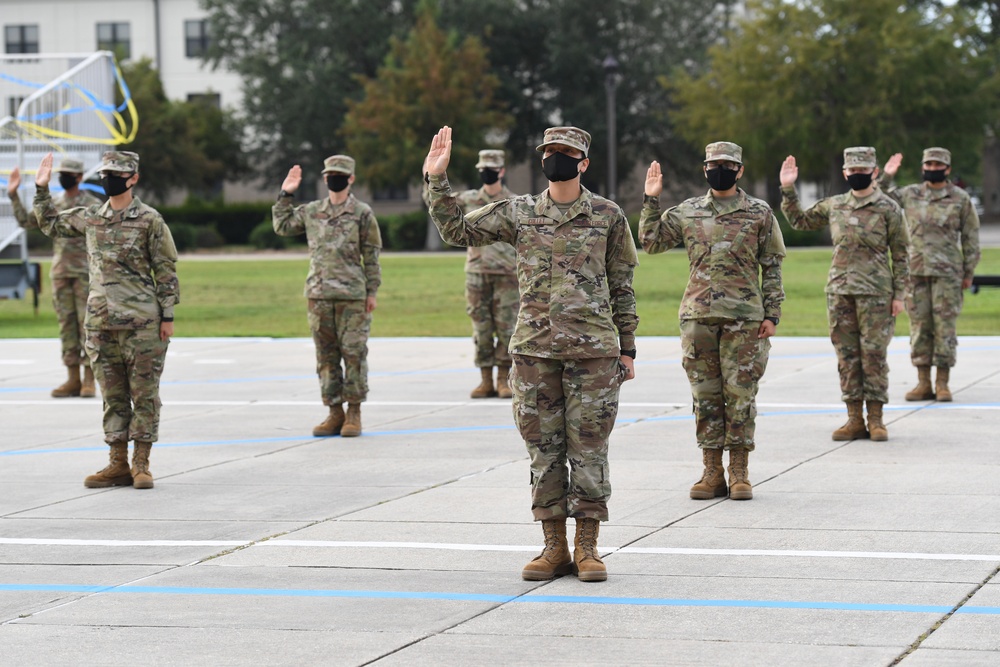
(713, 480)
(941, 391)
(739, 478)
(332, 424)
(352, 421)
(854, 428)
(587, 562)
(87, 389)
(554, 561)
(141, 477)
(923, 391)
(485, 388)
(879, 432)
(72, 386)
(503, 382)
(116, 473)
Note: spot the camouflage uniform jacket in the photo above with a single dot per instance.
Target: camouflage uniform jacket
(344, 244)
(69, 256)
(133, 274)
(865, 232)
(574, 271)
(496, 258)
(943, 226)
(736, 272)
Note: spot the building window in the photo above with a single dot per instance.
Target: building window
(21, 38)
(196, 38)
(391, 193)
(115, 37)
(213, 100)
(13, 104)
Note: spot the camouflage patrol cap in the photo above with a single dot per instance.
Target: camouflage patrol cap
(342, 164)
(490, 159)
(724, 150)
(937, 154)
(124, 161)
(573, 137)
(70, 166)
(859, 156)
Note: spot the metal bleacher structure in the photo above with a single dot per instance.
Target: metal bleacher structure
(72, 105)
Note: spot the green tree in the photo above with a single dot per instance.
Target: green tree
(298, 62)
(548, 55)
(811, 77)
(428, 80)
(181, 145)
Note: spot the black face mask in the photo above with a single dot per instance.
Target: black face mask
(560, 167)
(114, 185)
(859, 181)
(67, 181)
(721, 179)
(935, 175)
(489, 176)
(337, 182)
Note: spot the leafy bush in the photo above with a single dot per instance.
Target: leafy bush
(405, 231)
(185, 235)
(234, 222)
(263, 237)
(209, 237)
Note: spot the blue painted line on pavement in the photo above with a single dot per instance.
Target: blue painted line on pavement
(456, 429)
(503, 599)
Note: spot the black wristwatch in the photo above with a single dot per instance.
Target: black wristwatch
(283, 193)
(772, 319)
(628, 353)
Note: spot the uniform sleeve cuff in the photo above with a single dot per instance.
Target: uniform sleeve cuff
(627, 342)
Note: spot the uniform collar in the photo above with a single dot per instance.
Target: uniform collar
(504, 193)
(347, 207)
(582, 206)
(737, 203)
(131, 211)
(932, 194)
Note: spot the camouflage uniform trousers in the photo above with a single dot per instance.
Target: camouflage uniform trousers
(565, 410)
(724, 361)
(127, 364)
(492, 303)
(69, 299)
(934, 304)
(861, 327)
(340, 330)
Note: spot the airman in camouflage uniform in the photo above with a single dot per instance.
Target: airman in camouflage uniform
(69, 275)
(864, 290)
(944, 251)
(130, 308)
(730, 308)
(574, 341)
(490, 284)
(344, 277)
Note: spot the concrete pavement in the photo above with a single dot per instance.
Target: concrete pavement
(261, 544)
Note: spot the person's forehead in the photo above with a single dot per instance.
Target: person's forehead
(562, 148)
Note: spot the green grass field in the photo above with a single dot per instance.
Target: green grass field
(423, 296)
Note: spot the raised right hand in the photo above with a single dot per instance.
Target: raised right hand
(892, 166)
(44, 173)
(789, 172)
(654, 180)
(293, 180)
(438, 157)
(13, 182)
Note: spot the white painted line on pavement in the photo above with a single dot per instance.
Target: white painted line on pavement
(446, 546)
(214, 361)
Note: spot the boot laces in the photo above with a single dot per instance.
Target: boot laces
(588, 539)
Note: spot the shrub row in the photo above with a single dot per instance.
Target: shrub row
(198, 224)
